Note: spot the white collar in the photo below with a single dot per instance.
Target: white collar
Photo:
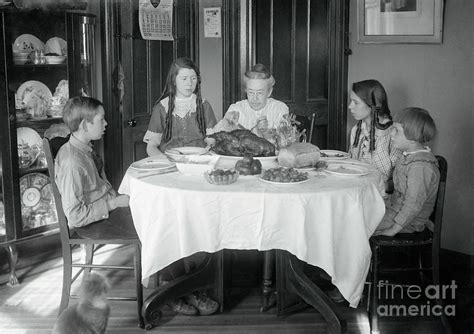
(426, 149)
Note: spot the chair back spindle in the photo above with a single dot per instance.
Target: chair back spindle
(62, 221)
(437, 215)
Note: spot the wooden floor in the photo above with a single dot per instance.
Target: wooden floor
(31, 307)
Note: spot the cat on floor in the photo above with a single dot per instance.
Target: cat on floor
(91, 313)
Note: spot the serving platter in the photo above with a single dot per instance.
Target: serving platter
(282, 183)
(342, 169)
(27, 42)
(150, 164)
(267, 162)
(334, 155)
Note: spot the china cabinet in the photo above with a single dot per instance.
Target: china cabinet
(45, 57)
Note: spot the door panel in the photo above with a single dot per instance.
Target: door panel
(291, 38)
(135, 72)
(304, 45)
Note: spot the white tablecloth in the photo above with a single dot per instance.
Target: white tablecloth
(325, 222)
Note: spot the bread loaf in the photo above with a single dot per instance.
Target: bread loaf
(299, 155)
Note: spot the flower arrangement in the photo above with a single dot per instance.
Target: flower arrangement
(286, 133)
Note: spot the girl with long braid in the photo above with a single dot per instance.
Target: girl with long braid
(370, 139)
(181, 116)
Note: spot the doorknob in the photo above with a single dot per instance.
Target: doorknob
(132, 123)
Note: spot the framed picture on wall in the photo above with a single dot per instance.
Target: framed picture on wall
(400, 21)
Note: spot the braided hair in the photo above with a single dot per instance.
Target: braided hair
(373, 94)
(170, 92)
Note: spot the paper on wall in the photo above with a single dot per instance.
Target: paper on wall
(212, 22)
(156, 19)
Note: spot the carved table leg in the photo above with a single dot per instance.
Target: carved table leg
(292, 278)
(207, 275)
(268, 272)
(12, 261)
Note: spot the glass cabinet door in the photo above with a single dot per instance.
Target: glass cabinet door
(38, 74)
(48, 57)
(2, 205)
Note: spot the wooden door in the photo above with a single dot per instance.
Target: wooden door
(304, 45)
(134, 74)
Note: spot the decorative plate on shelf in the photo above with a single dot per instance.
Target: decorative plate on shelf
(30, 93)
(25, 135)
(29, 146)
(37, 201)
(56, 45)
(27, 42)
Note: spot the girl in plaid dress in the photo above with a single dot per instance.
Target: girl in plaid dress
(370, 139)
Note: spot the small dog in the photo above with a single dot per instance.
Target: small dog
(90, 314)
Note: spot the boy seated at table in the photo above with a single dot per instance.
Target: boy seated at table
(415, 177)
(86, 194)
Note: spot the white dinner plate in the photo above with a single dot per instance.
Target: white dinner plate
(30, 89)
(334, 154)
(342, 169)
(285, 183)
(152, 164)
(27, 42)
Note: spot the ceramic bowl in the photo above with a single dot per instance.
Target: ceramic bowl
(197, 165)
(55, 59)
(181, 154)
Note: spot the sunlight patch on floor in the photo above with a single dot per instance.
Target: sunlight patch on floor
(39, 292)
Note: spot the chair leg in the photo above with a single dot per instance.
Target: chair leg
(420, 268)
(88, 257)
(374, 321)
(138, 279)
(67, 276)
(436, 282)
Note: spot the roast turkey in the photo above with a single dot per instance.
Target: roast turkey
(241, 142)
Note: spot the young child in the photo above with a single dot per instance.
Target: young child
(86, 194)
(370, 139)
(181, 117)
(416, 175)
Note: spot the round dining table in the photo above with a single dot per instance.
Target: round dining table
(325, 221)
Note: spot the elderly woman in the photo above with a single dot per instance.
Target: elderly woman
(259, 111)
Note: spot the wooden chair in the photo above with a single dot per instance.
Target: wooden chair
(417, 241)
(118, 229)
(306, 123)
